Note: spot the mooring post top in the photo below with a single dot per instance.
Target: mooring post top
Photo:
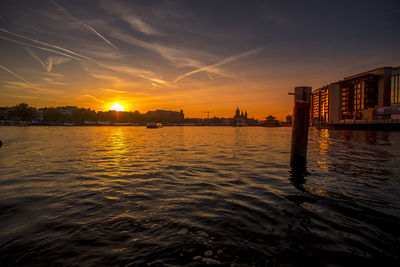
(302, 94)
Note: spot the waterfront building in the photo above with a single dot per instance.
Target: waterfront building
(319, 109)
(360, 97)
(5, 112)
(166, 116)
(240, 119)
(395, 87)
(67, 110)
(362, 93)
(40, 114)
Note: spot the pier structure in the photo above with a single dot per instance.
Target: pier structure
(301, 116)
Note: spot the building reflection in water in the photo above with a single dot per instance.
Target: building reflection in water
(357, 154)
(321, 145)
(324, 141)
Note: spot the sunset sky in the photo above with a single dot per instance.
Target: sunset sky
(192, 55)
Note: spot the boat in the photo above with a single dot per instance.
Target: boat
(153, 125)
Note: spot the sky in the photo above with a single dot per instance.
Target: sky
(199, 56)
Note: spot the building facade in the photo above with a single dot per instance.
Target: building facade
(360, 97)
(395, 87)
(320, 106)
(167, 116)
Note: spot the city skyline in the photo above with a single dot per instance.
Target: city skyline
(195, 56)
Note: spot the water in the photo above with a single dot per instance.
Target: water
(196, 195)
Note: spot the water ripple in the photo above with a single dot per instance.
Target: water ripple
(196, 195)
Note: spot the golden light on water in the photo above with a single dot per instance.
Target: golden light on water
(117, 107)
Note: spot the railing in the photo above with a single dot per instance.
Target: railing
(377, 121)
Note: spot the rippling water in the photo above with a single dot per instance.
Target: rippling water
(196, 195)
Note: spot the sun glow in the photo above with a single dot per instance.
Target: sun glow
(117, 107)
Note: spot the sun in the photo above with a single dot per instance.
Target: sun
(117, 107)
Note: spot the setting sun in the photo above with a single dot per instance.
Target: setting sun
(117, 107)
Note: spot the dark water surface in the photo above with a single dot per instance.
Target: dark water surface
(191, 196)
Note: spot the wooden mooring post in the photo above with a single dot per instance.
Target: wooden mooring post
(300, 123)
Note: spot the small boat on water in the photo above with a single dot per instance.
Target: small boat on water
(152, 125)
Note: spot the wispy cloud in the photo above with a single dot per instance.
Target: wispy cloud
(220, 63)
(87, 26)
(15, 75)
(94, 98)
(156, 80)
(114, 91)
(54, 82)
(70, 53)
(32, 88)
(48, 65)
(173, 55)
(140, 25)
(39, 47)
(30, 52)
(127, 15)
(177, 57)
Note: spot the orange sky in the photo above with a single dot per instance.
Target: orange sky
(193, 55)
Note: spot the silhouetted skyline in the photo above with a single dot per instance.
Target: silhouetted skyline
(195, 55)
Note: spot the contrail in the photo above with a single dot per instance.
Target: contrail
(219, 63)
(57, 52)
(43, 48)
(84, 24)
(46, 44)
(37, 58)
(16, 75)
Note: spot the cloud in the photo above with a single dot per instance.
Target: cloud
(115, 91)
(39, 47)
(94, 98)
(156, 80)
(33, 88)
(73, 54)
(54, 82)
(16, 75)
(177, 57)
(220, 63)
(48, 65)
(126, 15)
(51, 61)
(87, 26)
(140, 25)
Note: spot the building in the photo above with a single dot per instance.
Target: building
(320, 106)
(40, 114)
(240, 119)
(362, 93)
(6, 112)
(395, 87)
(361, 97)
(67, 110)
(166, 116)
